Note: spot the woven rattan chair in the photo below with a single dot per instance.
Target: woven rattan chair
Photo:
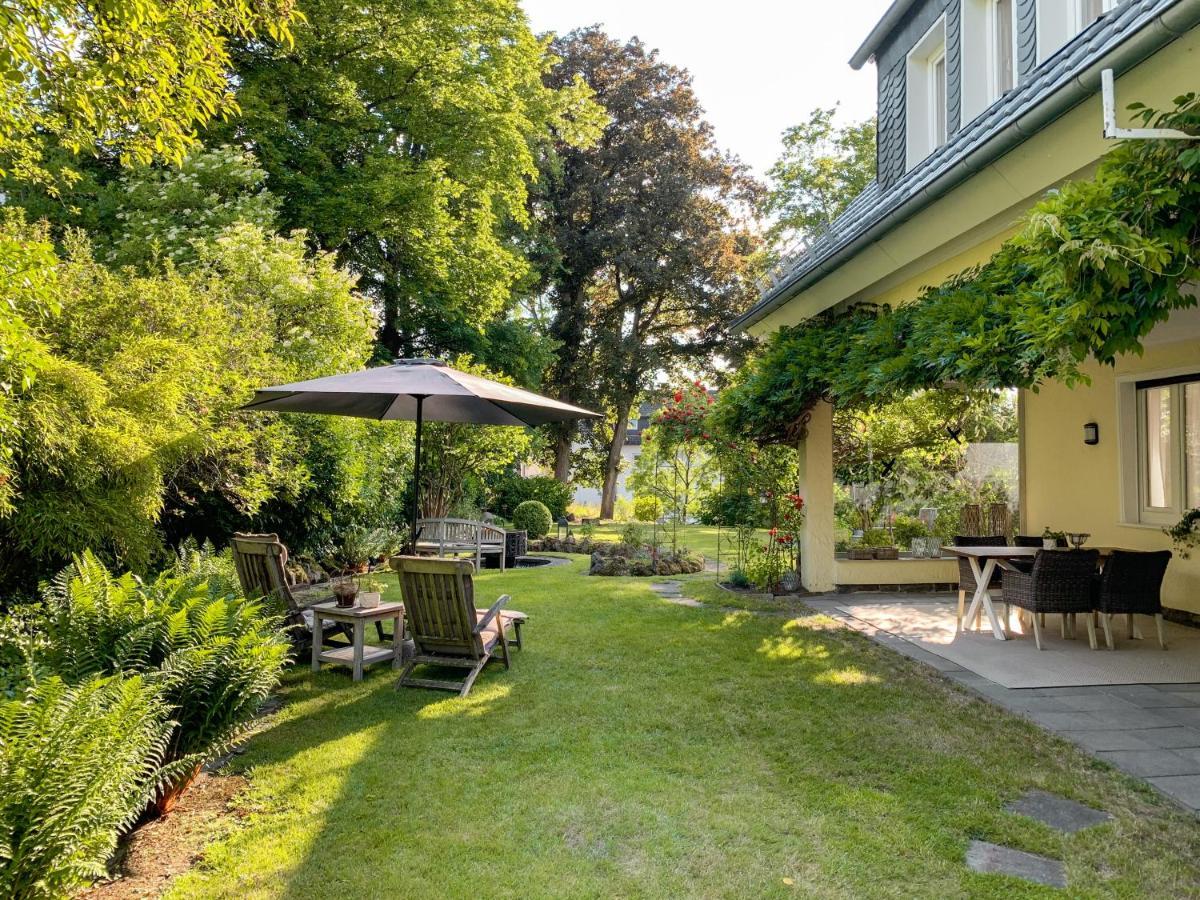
(1061, 581)
(261, 564)
(439, 605)
(1131, 583)
(966, 578)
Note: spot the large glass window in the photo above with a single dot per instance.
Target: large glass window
(1002, 47)
(1169, 448)
(925, 95)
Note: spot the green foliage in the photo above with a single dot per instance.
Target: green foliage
(823, 167)
(203, 563)
(532, 516)
(647, 508)
(356, 546)
(163, 212)
(905, 528)
(215, 658)
(134, 417)
(1185, 533)
(1093, 267)
(510, 490)
(131, 80)
(634, 535)
(77, 765)
(404, 136)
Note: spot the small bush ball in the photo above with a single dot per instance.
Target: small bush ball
(532, 516)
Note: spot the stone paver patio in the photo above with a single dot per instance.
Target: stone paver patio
(1150, 731)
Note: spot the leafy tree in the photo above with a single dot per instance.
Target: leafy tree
(133, 414)
(643, 253)
(403, 136)
(823, 167)
(130, 80)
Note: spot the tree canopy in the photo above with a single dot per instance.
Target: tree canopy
(643, 237)
(403, 137)
(823, 167)
(132, 80)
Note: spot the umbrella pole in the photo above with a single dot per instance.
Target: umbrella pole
(416, 499)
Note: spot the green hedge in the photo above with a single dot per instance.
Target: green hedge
(532, 516)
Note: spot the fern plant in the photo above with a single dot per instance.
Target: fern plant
(215, 658)
(77, 765)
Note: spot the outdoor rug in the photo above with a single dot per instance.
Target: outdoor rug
(1017, 663)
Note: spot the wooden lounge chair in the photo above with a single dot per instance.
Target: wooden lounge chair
(439, 606)
(261, 564)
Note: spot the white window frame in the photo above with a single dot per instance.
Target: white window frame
(922, 134)
(1133, 448)
(995, 91)
(1058, 22)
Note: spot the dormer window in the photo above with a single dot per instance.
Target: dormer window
(925, 95)
(1060, 20)
(989, 56)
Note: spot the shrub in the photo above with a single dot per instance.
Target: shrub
(77, 765)
(905, 528)
(510, 490)
(647, 509)
(215, 658)
(532, 516)
(633, 535)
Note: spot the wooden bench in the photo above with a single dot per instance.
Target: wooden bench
(454, 537)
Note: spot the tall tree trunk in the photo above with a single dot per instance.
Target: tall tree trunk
(608, 495)
(562, 454)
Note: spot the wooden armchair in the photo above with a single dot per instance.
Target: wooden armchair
(261, 563)
(439, 607)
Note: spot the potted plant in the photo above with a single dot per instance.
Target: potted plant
(1051, 539)
(345, 591)
(1185, 533)
(370, 592)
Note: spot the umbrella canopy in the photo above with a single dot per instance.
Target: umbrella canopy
(417, 389)
(394, 392)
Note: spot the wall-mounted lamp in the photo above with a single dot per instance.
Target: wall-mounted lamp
(1091, 433)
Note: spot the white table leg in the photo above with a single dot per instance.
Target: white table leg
(316, 641)
(982, 597)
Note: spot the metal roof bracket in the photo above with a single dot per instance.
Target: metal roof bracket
(1114, 132)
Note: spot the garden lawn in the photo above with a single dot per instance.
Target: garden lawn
(639, 748)
(700, 539)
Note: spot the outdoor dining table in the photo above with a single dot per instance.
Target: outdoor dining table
(983, 561)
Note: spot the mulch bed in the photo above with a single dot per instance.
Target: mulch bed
(158, 851)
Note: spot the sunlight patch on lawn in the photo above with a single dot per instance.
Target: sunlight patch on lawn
(480, 701)
(847, 676)
(788, 647)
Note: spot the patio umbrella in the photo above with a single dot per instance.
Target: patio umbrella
(418, 390)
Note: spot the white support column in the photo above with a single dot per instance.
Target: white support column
(816, 486)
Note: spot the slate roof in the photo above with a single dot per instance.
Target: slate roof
(945, 168)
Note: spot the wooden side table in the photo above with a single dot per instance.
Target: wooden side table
(358, 654)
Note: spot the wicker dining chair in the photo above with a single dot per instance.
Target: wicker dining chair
(966, 578)
(1061, 581)
(1131, 583)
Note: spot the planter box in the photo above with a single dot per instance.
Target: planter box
(860, 553)
(887, 553)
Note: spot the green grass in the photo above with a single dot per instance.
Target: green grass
(700, 539)
(643, 749)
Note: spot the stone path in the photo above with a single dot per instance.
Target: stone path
(1150, 731)
(993, 858)
(672, 592)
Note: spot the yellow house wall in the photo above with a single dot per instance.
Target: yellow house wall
(896, 571)
(1070, 486)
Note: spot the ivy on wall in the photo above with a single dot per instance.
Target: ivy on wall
(1094, 266)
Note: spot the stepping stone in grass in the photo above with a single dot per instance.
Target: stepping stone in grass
(993, 858)
(672, 592)
(1057, 812)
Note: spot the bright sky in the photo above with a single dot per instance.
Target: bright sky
(758, 66)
